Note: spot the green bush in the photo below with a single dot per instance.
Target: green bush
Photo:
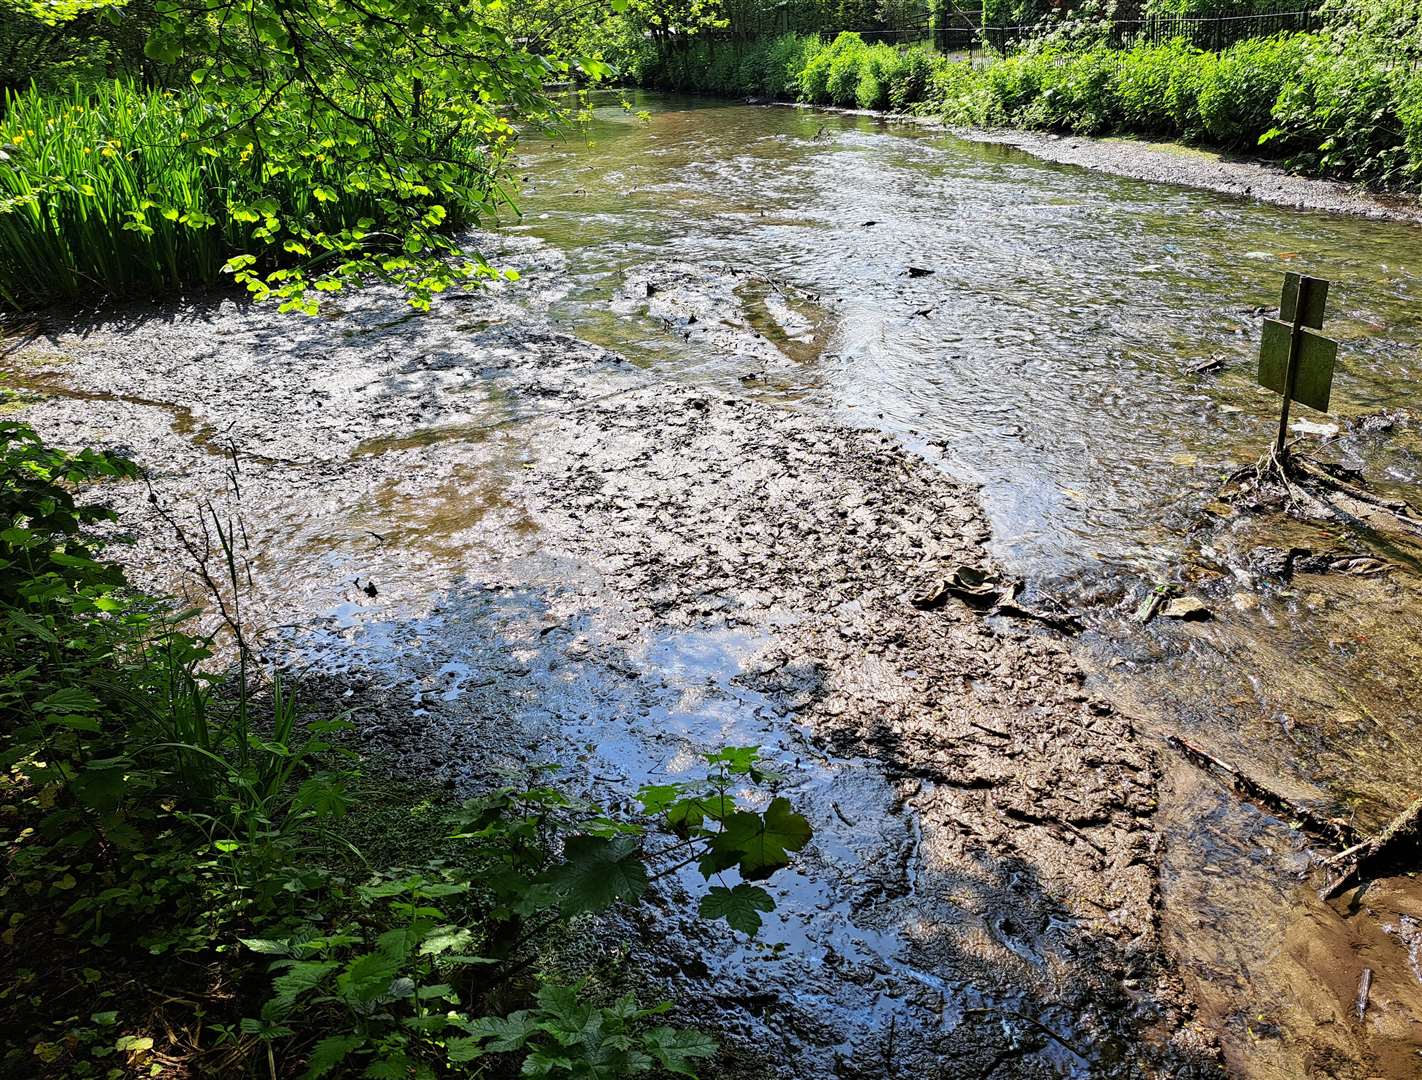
(960, 95)
(109, 191)
(751, 73)
(911, 80)
(723, 73)
(1143, 89)
(1410, 113)
(787, 56)
(879, 67)
(1236, 98)
(847, 54)
(1339, 115)
(158, 817)
(1335, 104)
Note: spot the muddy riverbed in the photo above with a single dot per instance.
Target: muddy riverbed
(682, 484)
(574, 560)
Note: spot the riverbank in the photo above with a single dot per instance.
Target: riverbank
(505, 546)
(1163, 162)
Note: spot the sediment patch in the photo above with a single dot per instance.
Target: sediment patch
(498, 544)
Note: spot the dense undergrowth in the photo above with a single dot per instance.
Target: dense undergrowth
(306, 147)
(108, 190)
(199, 877)
(1335, 104)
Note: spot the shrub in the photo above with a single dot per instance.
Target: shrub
(786, 58)
(1236, 97)
(911, 80)
(959, 94)
(879, 67)
(1143, 86)
(751, 73)
(812, 84)
(150, 817)
(1339, 115)
(1409, 111)
(721, 75)
(108, 191)
(847, 55)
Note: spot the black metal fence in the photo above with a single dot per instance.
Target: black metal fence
(964, 31)
(1211, 32)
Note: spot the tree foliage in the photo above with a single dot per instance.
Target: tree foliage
(404, 111)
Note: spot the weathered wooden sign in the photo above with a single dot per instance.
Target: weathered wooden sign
(1295, 359)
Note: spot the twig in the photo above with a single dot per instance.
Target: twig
(1378, 854)
(1332, 830)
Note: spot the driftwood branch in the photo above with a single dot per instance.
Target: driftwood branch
(1330, 830)
(1396, 847)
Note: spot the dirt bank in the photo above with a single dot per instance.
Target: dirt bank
(508, 545)
(1171, 163)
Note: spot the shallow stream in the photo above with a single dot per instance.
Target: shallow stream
(1050, 354)
(507, 545)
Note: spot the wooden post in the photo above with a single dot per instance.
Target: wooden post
(1291, 374)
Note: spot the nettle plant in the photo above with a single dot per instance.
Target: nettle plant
(409, 976)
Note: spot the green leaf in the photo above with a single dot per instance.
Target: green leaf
(597, 872)
(100, 789)
(70, 699)
(267, 946)
(655, 798)
(676, 1049)
(760, 844)
(330, 1052)
(506, 1032)
(461, 1050)
(162, 49)
(445, 938)
(368, 977)
(298, 978)
(740, 907)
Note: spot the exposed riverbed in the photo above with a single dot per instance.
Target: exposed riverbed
(678, 487)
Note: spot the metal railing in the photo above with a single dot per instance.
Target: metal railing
(965, 32)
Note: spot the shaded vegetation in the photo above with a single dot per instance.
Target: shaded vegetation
(198, 875)
(311, 146)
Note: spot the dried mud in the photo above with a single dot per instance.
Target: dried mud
(574, 559)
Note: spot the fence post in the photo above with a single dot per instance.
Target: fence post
(1219, 25)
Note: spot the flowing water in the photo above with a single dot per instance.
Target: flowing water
(1050, 356)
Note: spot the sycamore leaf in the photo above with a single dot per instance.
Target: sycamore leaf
(760, 844)
(597, 872)
(740, 907)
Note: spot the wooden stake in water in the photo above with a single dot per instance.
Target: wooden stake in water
(1295, 360)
